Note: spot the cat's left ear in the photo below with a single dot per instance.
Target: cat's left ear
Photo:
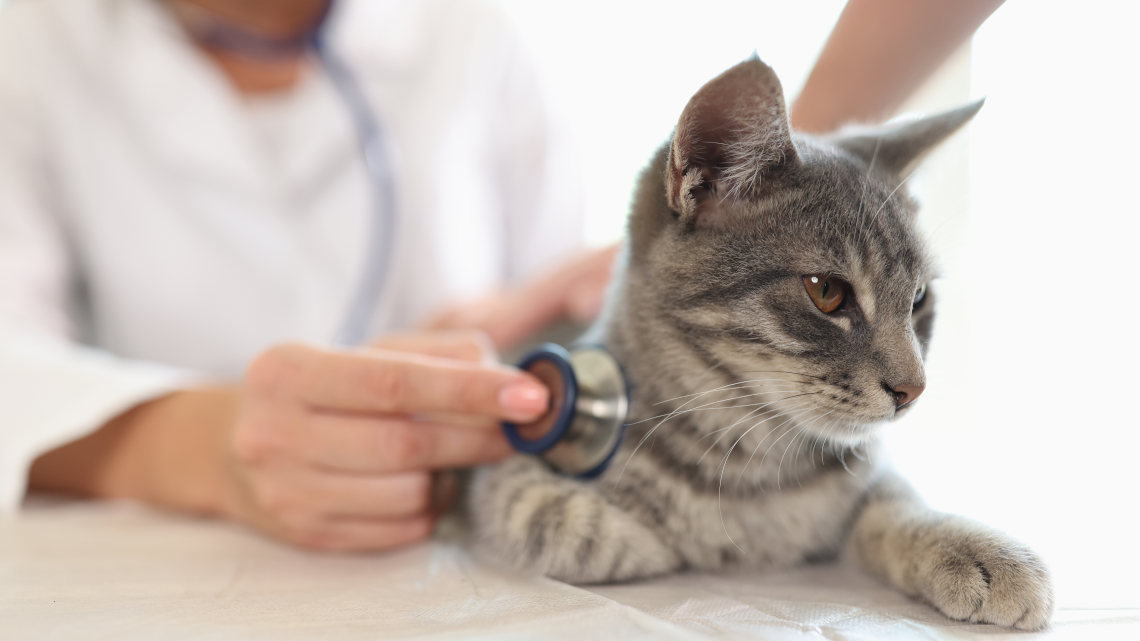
(732, 136)
(898, 147)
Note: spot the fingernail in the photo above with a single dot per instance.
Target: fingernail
(523, 400)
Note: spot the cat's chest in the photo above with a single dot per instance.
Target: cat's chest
(768, 528)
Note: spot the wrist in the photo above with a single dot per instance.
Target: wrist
(169, 451)
(182, 445)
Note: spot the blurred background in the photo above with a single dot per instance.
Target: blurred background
(1028, 421)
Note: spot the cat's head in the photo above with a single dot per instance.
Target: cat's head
(788, 260)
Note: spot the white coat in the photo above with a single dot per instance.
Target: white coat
(157, 228)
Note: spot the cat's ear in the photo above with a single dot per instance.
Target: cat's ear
(731, 135)
(898, 147)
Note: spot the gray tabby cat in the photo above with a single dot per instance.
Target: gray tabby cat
(771, 312)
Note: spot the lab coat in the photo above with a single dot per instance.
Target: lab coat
(157, 229)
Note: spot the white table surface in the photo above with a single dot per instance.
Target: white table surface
(75, 570)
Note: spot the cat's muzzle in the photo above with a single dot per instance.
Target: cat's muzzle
(589, 401)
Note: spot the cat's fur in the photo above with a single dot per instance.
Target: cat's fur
(763, 454)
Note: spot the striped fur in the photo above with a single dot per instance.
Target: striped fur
(752, 433)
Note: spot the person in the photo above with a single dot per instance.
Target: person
(181, 225)
(323, 447)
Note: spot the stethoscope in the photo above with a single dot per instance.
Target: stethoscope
(589, 397)
(589, 403)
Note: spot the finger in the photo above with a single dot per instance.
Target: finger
(467, 345)
(389, 382)
(306, 494)
(348, 443)
(359, 534)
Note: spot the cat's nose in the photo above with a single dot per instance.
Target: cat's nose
(905, 394)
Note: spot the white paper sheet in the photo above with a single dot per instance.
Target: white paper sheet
(118, 571)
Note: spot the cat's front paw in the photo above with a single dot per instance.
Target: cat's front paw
(986, 577)
(529, 517)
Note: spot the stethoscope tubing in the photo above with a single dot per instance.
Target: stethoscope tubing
(356, 326)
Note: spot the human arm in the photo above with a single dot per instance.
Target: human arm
(573, 290)
(100, 424)
(52, 389)
(878, 54)
(322, 448)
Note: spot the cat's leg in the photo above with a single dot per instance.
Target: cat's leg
(965, 569)
(531, 517)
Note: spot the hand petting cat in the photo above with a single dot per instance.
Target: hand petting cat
(573, 292)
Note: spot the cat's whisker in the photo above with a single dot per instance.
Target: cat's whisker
(705, 407)
(803, 427)
(717, 364)
(788, 416)
(711, 403)
(744, 405)
(724, 466)
(671, 415)
(824, 441)
(875, 216)
(738, 421)
(805, 403)
(650, 432)
(800, 431)
(723, 387)
(811, 454)
(768, 449)
(777, 371)
(754, 426)
(866, 181)
(843, 461)
(727, 429)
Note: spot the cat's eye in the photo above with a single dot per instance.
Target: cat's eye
(919, 297)
(827, 292)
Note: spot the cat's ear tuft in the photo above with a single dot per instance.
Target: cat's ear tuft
(731, 136)
(898, 147)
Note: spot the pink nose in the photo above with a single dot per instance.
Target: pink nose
(906, 394)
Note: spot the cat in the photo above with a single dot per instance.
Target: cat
(771, 310)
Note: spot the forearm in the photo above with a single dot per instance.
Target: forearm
(167, 452)
(878, 54)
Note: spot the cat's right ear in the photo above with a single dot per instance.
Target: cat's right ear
(732, 135)
(898, 147)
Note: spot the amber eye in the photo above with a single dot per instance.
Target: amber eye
(827, 292)
(919, 296)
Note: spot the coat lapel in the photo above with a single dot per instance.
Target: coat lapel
(181, 106)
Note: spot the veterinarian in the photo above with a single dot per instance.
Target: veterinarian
(186, 217)
(182, 198)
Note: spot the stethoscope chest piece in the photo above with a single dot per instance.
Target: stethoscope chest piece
(589, 401)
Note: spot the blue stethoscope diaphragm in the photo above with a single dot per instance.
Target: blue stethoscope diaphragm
(589, 401)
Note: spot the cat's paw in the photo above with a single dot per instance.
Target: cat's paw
(528, 517)
(986, 577)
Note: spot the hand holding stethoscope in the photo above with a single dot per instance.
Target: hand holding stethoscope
(321, 459)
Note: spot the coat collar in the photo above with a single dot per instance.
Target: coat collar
(179, 104)
(184, 110)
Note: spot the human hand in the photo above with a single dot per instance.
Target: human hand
(338, 450)
(573, 291)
